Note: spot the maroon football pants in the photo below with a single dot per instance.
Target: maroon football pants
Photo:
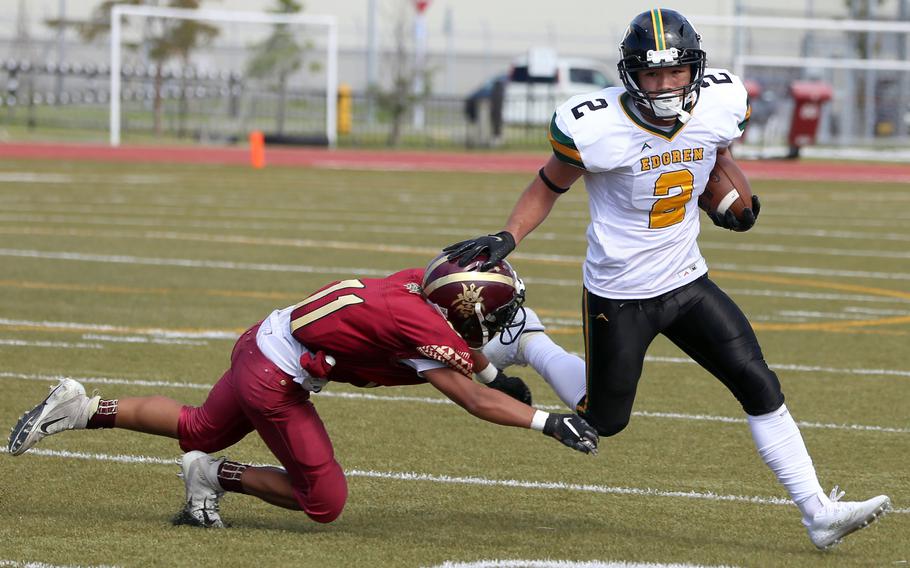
(254, 394)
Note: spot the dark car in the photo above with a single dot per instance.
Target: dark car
(483, 92)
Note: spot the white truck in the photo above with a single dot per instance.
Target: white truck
(540, 80)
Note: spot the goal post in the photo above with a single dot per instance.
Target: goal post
(864, 61)
(326, 24)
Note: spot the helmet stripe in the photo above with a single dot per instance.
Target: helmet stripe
(439, 260)
(660, 42)
(474, 276)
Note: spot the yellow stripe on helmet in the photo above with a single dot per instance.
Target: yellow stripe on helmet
(657, 21)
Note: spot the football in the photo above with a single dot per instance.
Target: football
(727, 188)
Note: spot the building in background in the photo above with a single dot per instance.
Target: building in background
(470, 42)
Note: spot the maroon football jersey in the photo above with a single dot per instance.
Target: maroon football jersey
(369, 325)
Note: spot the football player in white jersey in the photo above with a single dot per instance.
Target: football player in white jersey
(645, 151)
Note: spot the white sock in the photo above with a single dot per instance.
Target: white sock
(781, 446)
(564, 372)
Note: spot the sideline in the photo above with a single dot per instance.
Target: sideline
(409, 161)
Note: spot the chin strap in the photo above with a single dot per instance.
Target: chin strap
(667, 106)
(683, 116)
(679, 109)
(478, 311)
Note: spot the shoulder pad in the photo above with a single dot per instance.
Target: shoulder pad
(581, 123)
(725, 91)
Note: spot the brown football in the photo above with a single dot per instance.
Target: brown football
(727, 188)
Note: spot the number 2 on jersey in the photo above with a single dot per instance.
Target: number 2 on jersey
(669, 211)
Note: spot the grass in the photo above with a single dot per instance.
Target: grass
(213, 249)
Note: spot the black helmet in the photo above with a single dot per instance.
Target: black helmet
(662, 38)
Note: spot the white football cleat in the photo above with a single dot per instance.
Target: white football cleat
(503, 355)
(203, 494)
(65, 408)
(840, 518)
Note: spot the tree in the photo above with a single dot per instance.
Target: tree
(278, 57)
(176, 39)
(399, 98)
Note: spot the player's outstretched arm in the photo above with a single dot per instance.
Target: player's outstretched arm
(499, 408)
(487, 373)
(531, 209)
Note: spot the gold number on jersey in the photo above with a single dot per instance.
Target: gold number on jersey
(671, 210)
(331, 307)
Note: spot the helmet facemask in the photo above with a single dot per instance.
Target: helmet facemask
(479, 328)
(507, 318)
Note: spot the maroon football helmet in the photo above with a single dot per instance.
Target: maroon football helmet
(477, 304)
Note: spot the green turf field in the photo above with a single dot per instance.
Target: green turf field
(135, 278)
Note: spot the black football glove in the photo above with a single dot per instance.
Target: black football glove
(512, 386)
(729, 221)
(573, 431)
(498, 246)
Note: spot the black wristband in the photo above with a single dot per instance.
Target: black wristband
(506, 236)
(549, 183)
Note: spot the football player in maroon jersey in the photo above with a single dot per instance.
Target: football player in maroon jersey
(413, 327)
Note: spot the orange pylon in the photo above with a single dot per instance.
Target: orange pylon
(257, 149)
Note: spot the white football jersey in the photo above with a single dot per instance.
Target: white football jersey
(643, 183)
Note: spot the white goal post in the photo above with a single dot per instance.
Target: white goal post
(804, 25)
(864, 61)
(331, 57)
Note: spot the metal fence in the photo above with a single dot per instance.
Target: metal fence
(871, 105)
(225, 107)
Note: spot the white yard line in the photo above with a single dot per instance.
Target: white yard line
(798, 368)
(337, 223)
(820, 296)
(812, 251)
(96, 327)
(363, 271)
(552, 563)
(34, 564)
(460, 480)
(52, 178)
(318, 243)
(51, 344)
(328, 393)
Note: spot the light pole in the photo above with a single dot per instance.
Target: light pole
(372, 60)
(420, 46)
(61, 49)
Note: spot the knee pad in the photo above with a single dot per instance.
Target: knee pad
(760, 388)
(605, 428)
(611, 429)
(324, 495)
(324, 516)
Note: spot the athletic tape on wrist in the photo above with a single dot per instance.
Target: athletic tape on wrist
(539, 420)
(487, 375)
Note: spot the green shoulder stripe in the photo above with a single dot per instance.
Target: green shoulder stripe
(742, 125)
(559, 135)
(563, 146)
